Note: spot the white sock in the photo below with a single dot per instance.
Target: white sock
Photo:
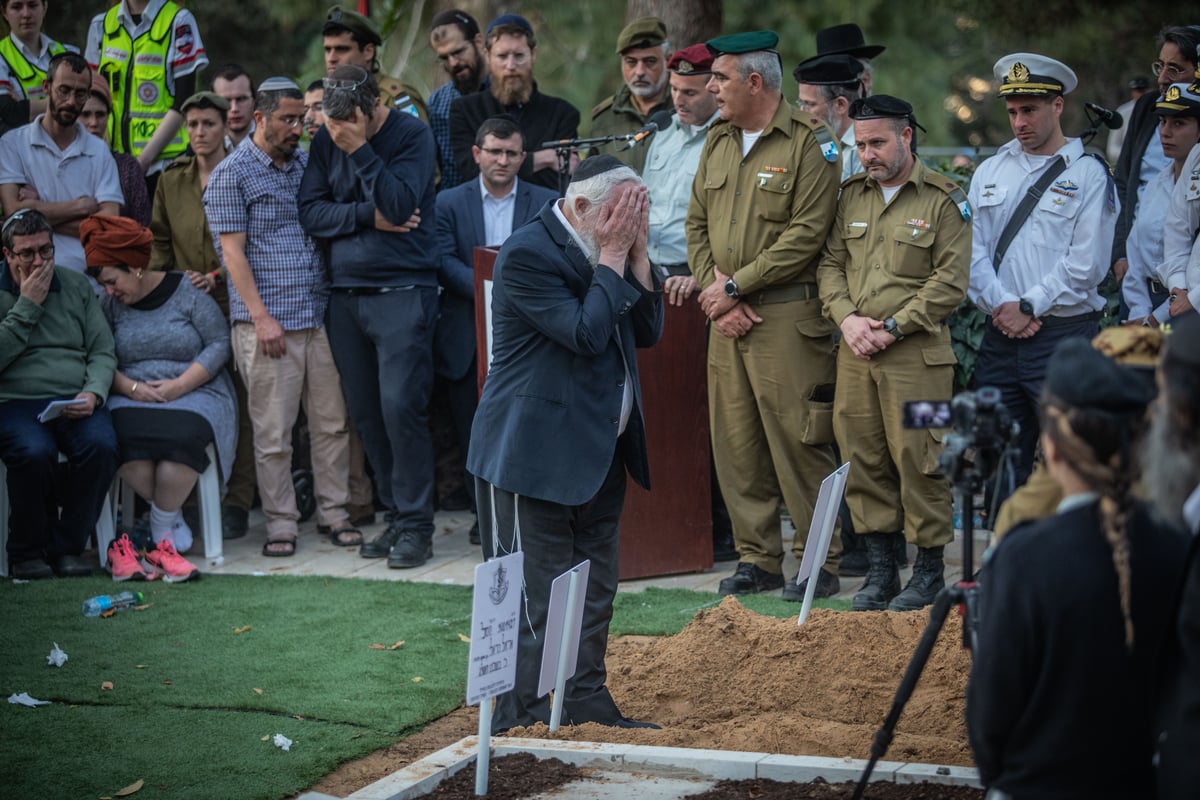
(161, 522)
(182, 535)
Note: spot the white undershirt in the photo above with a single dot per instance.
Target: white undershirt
(889, 192)
(748, 140)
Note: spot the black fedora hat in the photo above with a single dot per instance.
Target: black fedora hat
(846, 38)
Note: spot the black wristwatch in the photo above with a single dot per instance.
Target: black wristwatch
(1025, 307)
(890, 326)
(731, 288)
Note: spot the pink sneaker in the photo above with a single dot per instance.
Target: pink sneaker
(124, 564)
(174, 567)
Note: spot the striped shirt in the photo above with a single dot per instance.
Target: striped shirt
(247, 193)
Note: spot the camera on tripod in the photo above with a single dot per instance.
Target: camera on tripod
(983, 432)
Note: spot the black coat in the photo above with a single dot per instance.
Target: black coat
(1141, 125)
(1057, 707)
(1179, 764)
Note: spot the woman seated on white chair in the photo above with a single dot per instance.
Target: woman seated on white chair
(170, 395)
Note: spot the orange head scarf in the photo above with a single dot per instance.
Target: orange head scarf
(115, 242)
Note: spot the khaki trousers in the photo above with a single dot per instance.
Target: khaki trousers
(894, 483)
(275, 389)
(770, 399)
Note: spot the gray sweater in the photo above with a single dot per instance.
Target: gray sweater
(161, 343)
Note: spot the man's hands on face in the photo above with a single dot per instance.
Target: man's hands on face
(1012, 323)
(348, 134)
(865, 336)
(35, 280)
(618, 228)
(678, 288)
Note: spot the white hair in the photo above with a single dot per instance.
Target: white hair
(597, 188)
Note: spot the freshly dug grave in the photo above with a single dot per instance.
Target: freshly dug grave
(522, 776)
(737, 680)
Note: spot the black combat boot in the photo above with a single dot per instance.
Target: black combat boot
(883, 577)
(927, 580)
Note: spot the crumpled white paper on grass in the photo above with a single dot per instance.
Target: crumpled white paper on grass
(57, 657)
(282, 742)
(23, 699)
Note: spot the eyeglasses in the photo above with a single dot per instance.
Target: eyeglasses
(27, 256)
(499, 152)
(1171, 70)
(345, 83)
(63, 92)
(291, 122)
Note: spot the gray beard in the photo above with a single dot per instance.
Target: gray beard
(1170, 473)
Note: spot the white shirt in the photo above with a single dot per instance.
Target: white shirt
(498, 214)
(850, 163)
(1144, 247)
(1179, 230)
(670, 167)
(627, 384)
(1062, 252)
(29, 156)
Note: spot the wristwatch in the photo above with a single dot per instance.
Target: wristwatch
(1025, 307)
(890, 326)
(731, 288)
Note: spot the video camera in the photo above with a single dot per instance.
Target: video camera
(983, 431)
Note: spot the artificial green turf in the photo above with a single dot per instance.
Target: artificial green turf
(183, 714)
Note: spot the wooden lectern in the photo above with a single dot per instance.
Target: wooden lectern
(667, 530)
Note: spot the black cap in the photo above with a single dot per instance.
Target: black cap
(1082, 377)
(596, 165)
(465, 22)
(883, 106)
(846, 38)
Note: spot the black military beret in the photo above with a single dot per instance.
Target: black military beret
(1082, 377)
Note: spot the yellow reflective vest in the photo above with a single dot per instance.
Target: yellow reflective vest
(28, 75)
(136, 72)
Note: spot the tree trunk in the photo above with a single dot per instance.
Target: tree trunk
(688, 21)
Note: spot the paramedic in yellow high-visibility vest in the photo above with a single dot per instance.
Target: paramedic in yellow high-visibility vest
(26, 52)
(149, 52)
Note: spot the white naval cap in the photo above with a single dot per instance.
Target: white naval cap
(1032, 74)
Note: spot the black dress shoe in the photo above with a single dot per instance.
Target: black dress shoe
(234, 522)
(72, 567)
(412, 549)
(749, 579)
(457, 500)
(381, 545)
(827, 586)
(626, 722)
(34, 569)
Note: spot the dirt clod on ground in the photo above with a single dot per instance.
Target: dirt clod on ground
(737, 680)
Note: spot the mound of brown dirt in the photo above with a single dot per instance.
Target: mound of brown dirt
(737, 680)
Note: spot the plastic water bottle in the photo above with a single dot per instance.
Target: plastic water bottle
(117, 602)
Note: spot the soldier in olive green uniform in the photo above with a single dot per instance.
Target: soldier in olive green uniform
(362, 48)
(895, 266)
(762, 203)
(643, 48)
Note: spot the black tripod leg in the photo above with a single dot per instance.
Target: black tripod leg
(942, 604)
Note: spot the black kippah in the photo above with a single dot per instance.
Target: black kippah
(1082, 377)
(591, 167)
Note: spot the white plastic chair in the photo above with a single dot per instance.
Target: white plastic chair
(208, 489)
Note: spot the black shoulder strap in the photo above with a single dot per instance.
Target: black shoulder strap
(1017, 220)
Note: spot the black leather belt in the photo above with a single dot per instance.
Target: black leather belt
(782, 294)
(365, 291)
(1053, 322)
(1155, 286)
(673, 270)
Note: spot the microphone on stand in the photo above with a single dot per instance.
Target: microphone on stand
(657, 122)
(1108, 118)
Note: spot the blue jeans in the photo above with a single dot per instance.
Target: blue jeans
(38, 486)
(383, 347)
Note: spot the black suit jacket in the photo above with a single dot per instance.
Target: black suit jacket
(1143, 122)
(563, 334)
(460, 230)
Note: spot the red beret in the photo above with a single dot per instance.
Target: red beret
(691, 60)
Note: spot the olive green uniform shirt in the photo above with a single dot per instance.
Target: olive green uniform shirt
(618, 115)
(909, 259)
(181, 237)
(762, 219)
(401, 96)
